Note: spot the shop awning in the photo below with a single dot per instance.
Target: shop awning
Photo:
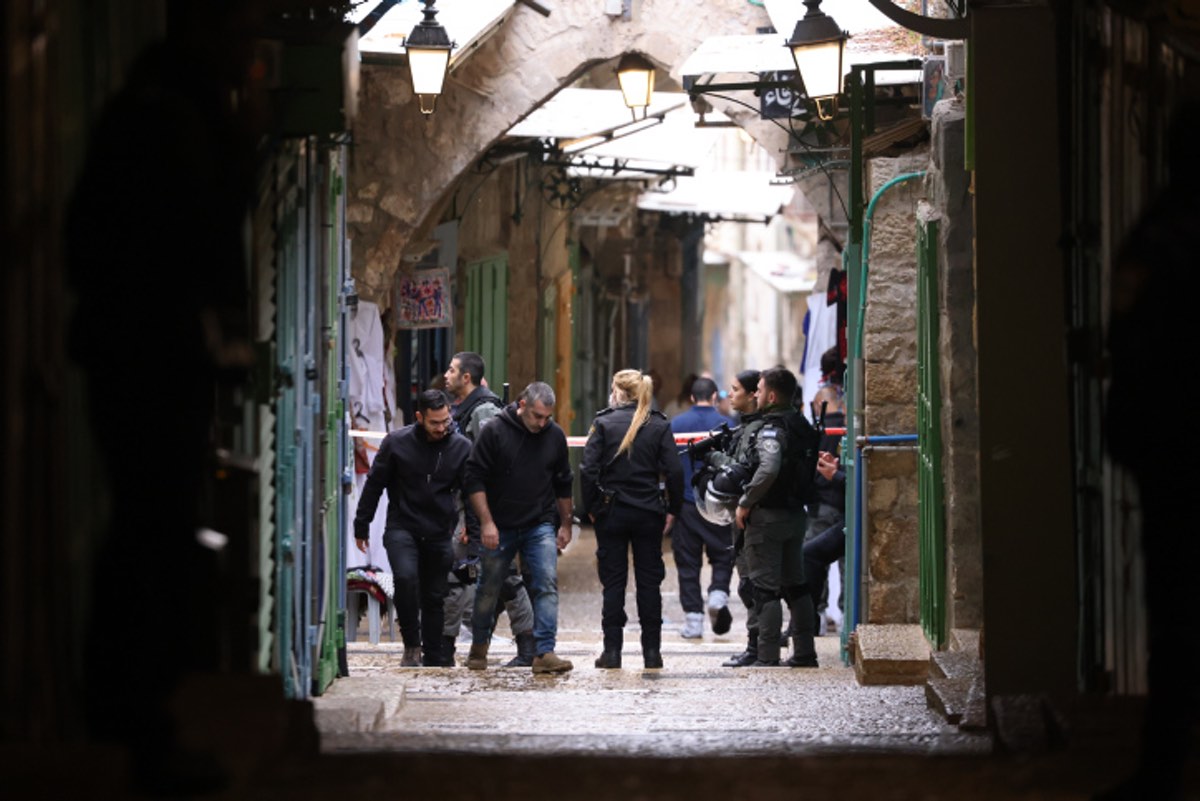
(738, 196)
(578, 113)
(782, 269)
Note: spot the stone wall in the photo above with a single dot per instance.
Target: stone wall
(890, 393)
(950, 197)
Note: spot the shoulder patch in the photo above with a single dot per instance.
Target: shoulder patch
(592, 430)
(768, 432)
(770, 445)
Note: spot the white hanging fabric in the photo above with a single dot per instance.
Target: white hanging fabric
(822, 335)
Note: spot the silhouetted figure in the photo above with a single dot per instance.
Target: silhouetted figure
(1155, 284)
(155, 253)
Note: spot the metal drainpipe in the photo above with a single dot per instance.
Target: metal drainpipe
(860, 482)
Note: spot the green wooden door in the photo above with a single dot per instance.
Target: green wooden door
(487, 317)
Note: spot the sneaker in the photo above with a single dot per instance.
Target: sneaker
(549, 662)
(718, 612)
(693, 626)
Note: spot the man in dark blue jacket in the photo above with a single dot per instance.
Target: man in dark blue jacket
(694, 534)
(519, 482)
(421, 466)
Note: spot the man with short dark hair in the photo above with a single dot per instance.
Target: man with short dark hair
(693, 535)
(773, 518)
(519, 483)
(474, 406)
(421, 466)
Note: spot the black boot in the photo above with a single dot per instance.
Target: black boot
(525, 651)
(804, 652)
(611, 658)
(448, 651)
(652, 649)
(747, 657)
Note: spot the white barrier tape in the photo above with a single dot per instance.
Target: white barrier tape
(572, 442)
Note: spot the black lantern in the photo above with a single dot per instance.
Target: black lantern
(817, 46)
(635, 74)
(428, 48)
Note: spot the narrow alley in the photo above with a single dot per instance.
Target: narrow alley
(244, 241)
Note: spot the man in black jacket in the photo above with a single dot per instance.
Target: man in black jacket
(518, 481)
(421, 467)
(475, 405)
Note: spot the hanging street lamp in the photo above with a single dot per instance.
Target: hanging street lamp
(817, 46)
(635, 74)
(428, 48)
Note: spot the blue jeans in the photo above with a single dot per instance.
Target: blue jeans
(539, 554)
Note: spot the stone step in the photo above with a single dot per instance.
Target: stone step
(974, 716)
(891, 654)
(954, 665)
(967, 641)
(948, 696)
(357, 704)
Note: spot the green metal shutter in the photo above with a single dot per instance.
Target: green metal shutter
(929, 447)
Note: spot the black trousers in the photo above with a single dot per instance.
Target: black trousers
(819, 553)
(692, 536)
(621, 530)
(420, 568)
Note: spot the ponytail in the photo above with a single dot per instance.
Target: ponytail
(634, 386)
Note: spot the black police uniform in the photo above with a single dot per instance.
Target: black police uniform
(623, 496)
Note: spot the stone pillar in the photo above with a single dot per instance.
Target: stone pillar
(1029, 582)
(949, 186)
(890, 394)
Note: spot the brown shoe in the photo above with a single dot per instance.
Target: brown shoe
(412, 657)
(550, 663)
(477, 658)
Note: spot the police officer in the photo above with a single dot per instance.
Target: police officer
(772, 516)
(743, 400)
(629, 450)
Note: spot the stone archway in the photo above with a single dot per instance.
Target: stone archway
(405, 165)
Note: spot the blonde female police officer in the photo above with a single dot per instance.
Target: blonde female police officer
(630, 449)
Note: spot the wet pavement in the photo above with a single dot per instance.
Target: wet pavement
(693, 707)
(692, 730)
